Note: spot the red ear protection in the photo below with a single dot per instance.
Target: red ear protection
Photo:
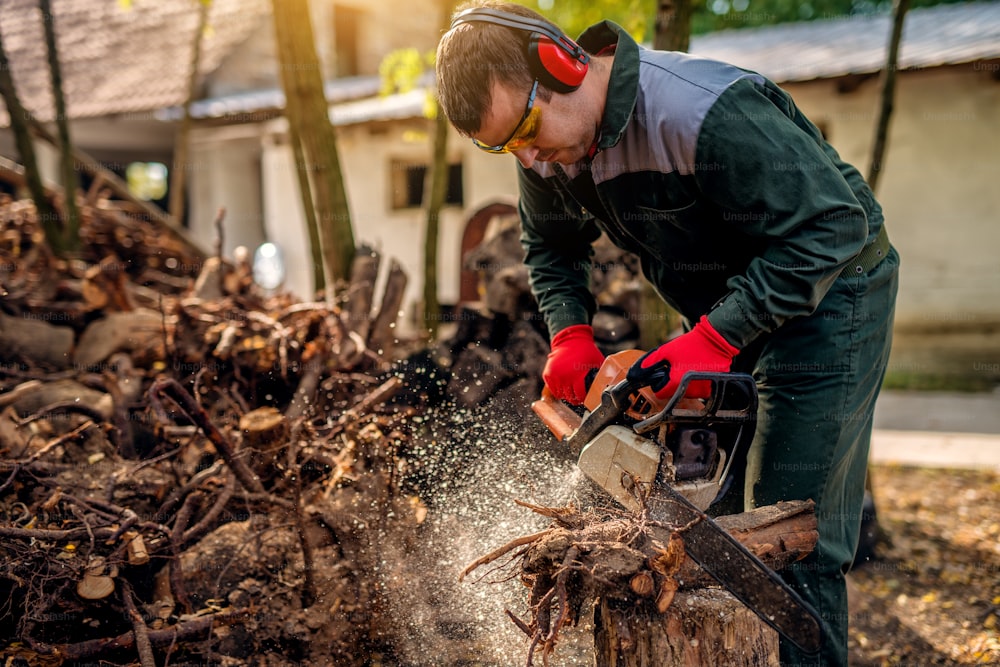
(555, 60)
(554, 67)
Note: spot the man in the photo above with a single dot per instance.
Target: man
(745, 220)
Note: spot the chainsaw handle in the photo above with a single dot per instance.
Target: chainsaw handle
(655, 377)
(556, 415)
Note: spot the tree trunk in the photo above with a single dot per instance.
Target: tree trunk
(26, 149)
(178, 175)
(306, 106)
(899, 9)
(673, 25)
(71, 230)
(305, 195)
(437, 190)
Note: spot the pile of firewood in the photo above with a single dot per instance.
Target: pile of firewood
(190, 467)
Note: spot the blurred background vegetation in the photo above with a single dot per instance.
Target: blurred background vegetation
(707, 15)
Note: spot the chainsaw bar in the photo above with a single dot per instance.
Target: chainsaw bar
(737, 569)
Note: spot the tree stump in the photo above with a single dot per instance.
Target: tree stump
(706, 626)
(703, 625)
(265, 433)
(655, 607)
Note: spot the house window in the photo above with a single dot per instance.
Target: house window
(408, 185)
(346, 25)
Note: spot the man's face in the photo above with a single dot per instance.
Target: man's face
(564, 131)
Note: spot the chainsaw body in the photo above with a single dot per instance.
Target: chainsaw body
(673, 459)
(629, 441)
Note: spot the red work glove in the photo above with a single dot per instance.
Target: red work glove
(573, 354)
(701, 349)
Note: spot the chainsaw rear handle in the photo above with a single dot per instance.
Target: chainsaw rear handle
(560, 419)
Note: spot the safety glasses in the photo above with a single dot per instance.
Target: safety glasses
(526, 131)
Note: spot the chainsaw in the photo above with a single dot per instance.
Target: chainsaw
(674, 459)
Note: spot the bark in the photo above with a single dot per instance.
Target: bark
(383, 335)
(437, 190)
(361, 294)
(306, 106)
(70, 241)
(702, 627)
(19, 125)
(197, 627)
(36, 340)
(138, 331)
(899, 9)
(673, 25)
(178, 175)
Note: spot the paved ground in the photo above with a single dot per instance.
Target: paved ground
(939, 429)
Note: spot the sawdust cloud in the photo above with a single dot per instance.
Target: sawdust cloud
(478, 462)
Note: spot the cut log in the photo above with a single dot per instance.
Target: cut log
(777, 534)
(361, 293)
(138, 331)
(58, 398)
(36, 340)
(98, 580)
(105, 287)
(702, 627)
(265, 433)
(383, 334)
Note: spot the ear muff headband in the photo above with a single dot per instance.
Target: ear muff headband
(557, 61)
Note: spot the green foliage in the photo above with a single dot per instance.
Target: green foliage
(712, 15)
(575, 16)
(637, 16)
(147, 180)
(400, 70)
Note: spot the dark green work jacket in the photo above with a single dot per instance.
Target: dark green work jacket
(731, 198)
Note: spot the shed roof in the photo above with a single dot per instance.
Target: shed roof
(117, 59)
(120, 61)
(857, 44)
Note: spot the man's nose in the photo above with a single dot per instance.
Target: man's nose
(526, 156)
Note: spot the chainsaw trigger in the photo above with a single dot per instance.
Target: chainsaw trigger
(655, 377)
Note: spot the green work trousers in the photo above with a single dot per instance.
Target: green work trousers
(818, 378)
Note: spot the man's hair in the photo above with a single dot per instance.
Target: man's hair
(471, 56)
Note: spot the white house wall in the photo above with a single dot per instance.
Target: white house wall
(367, 154)
(938, 189)
(250, 170)
(224, 171)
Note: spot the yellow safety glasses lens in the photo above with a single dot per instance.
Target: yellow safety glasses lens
(526, 131)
